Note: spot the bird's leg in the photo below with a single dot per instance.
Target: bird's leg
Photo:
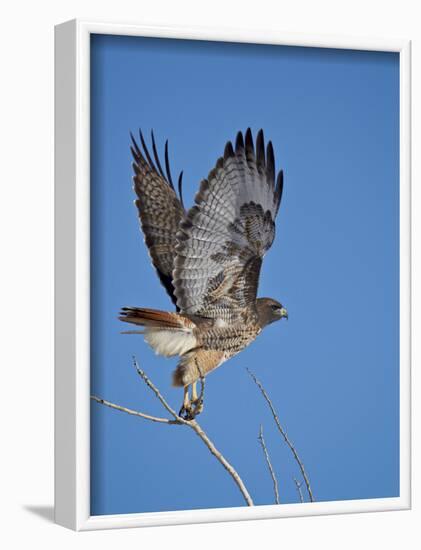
(197, 400)
(186, 411)
(191, 408)
(194, 392)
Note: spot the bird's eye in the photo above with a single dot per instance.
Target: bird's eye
(274, 307)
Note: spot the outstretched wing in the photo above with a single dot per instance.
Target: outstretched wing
(222, 240)
(160, 210)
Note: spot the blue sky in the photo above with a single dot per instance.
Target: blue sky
(332, 370)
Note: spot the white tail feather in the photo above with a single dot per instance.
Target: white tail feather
(170, 342)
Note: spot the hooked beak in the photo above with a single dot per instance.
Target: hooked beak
(283, 313)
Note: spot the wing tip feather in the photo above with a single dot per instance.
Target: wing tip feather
(270, 163)
(239, 143)
(279, 189)
(249, 145)
(229, 151)
(144, 162)
(260, 150)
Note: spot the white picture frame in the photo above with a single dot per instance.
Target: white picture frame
(72, 276)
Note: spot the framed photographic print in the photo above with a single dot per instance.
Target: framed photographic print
(232, 275)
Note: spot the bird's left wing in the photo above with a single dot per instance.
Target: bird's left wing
(160, 210)
(222, 240)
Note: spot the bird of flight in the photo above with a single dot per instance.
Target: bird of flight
(208, 258)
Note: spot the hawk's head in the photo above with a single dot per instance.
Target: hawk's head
(269, 310)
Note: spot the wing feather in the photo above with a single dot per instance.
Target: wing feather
(160, 210)
(223, 238)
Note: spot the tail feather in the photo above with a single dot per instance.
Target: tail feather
(167, 333)
(154, 318)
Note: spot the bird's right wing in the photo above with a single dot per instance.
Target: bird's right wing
(160, 209)
(222, 240)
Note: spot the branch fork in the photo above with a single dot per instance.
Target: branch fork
(179, 421)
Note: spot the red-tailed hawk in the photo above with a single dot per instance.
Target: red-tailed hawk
(208, 258)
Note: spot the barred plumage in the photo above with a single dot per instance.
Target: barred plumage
(208, 259)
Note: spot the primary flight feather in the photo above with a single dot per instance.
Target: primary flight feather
(208, 258)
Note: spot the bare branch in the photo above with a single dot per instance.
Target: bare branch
(193, 424)
(230, 469)
(131, 411)
(284, 434)
(298, 486)
(269, 463)
(150, 385)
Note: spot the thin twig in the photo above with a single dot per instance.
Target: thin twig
(178, 420)
(132, 412)
(269, 463)
(150, 385)
(298, 486)
(284, 434)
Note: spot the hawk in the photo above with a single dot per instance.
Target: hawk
(208, 258)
